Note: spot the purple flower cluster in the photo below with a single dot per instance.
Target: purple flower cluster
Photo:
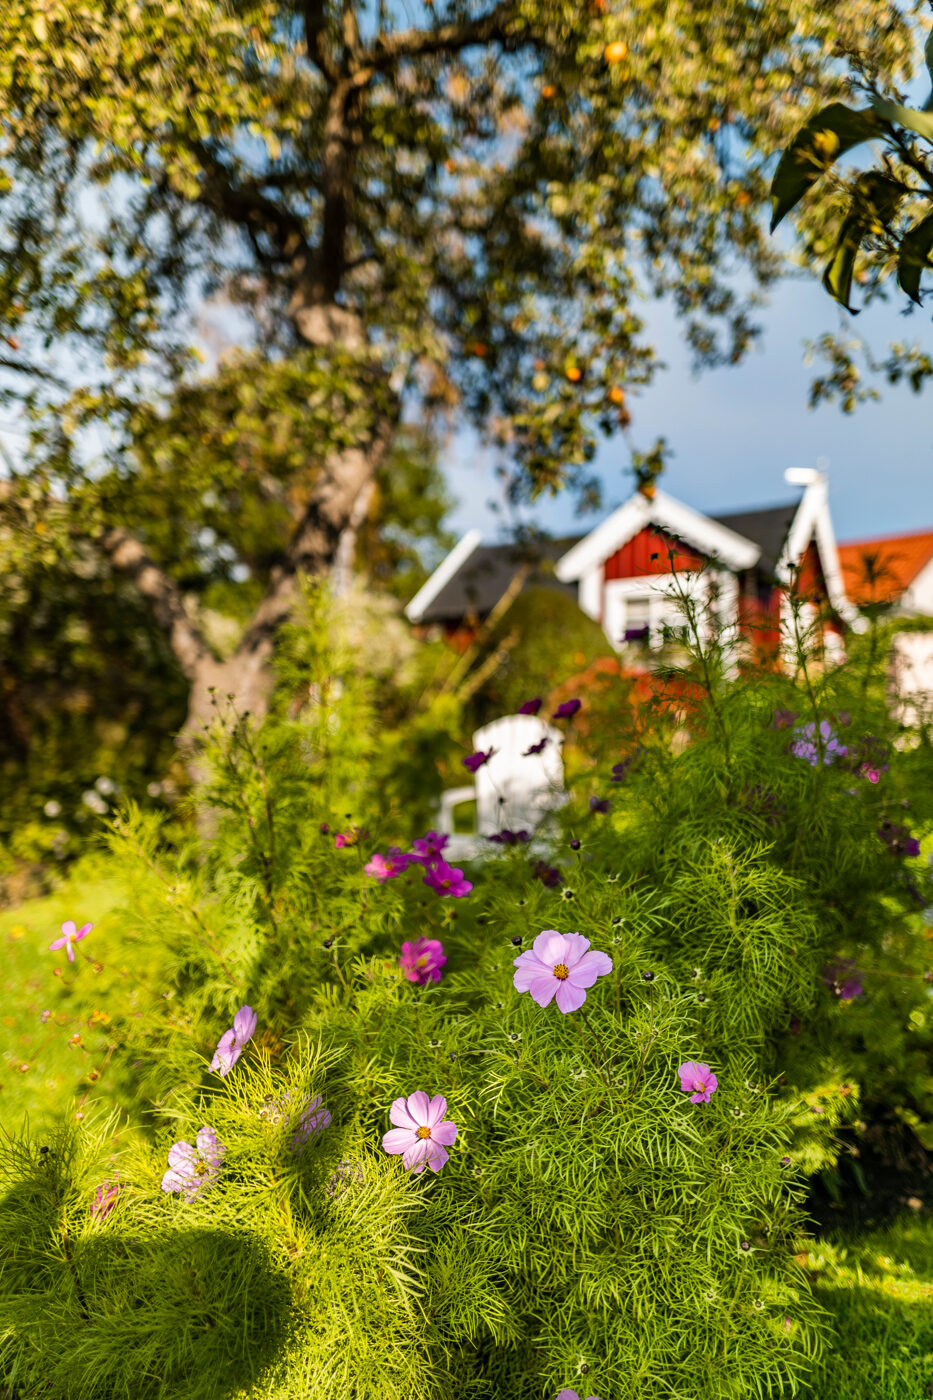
(811, 743)
(474, 761)
(426, 851)
(898, 839)
(600, 805)
(549, 875)
(505, 837)
(341, 1179)
(620, 770)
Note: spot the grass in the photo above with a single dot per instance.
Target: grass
(878, 1290)
(59, 1018)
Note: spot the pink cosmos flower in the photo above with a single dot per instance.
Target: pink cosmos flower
(314, 1119)
(567, 710)
(566, 1394)
(428, 847)
(192, 1170)
(353, 837)
(531, 707)
(421, 1131)
(476, 760)
(230, 1046)
(422, 960)
(447, 880)
(71, 935)
(697, 1080)
(559, 966)
(387, 867)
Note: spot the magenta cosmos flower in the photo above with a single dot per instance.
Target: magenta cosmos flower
(421, 1131)
(476, 760)
(427, 848)
(566, 1394)
(71, 935)
(531, 707)
(231, 1043)
(567, 710)
(559, 966)
(445, 879)
(192, 1170)
(697, 1080)
(422, 960)
(105, 1199)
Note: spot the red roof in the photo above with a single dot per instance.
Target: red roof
(879, 570)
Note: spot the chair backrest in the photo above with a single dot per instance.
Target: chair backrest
(516, 789)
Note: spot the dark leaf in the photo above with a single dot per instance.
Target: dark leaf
(827, 135)
(914, 257)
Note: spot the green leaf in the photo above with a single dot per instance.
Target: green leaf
(874, 200)
(909, 117)
(827, 135)
(914, 257)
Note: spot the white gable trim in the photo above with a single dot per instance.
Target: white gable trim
(717, 541)
(442, 575)
(813, 521)
(918, 596)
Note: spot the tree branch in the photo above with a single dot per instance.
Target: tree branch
(316, 39)
(162, 593)
(446, 38)
(247, 206)
(21, 367)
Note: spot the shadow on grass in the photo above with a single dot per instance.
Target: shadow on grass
(187, 1314)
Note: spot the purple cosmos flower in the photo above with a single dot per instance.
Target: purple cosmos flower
(567, 710)
(342, 1178)
(697, 1080)
(539, 747)
(428, 847)
(422, 960)
(192, 1170)
(805, 745)
(531, 707)
(476, 760)
(600, 805)
(231, 1043)
(843, 980)
(505, 837)
(71, 935)
(445, 879)
(898, 839)
(637, 634)
(783, 719)
(314, 1119)
(566, 1394)
(559, 966)
(105, 1199)
(549, 875)
(421, 1131)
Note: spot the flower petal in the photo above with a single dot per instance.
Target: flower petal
(84, 930)
(438, 1158)
(445, 1133)
(70, 951)
(528, 969)
(576, 948)
(414, 1158)
(569, 997)
(59, 943)
(174, 1181)
(592, 965)
(69, 928)
(208, 1146)
(244, 1024)
(418, 1106)
(544, 989)
(399, 1140)
(436, 1110)
(182, 1156)
(550, 946)
(400, 1116)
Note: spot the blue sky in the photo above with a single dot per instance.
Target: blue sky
(734, 431)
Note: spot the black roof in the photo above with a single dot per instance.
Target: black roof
(482, 580)
(767, 528)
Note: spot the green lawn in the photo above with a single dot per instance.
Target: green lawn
(44, 1070)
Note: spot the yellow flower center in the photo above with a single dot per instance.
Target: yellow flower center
(700, 1086)
(200, 1169)
(423, 1133)
(421, 962)
(561, 971)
